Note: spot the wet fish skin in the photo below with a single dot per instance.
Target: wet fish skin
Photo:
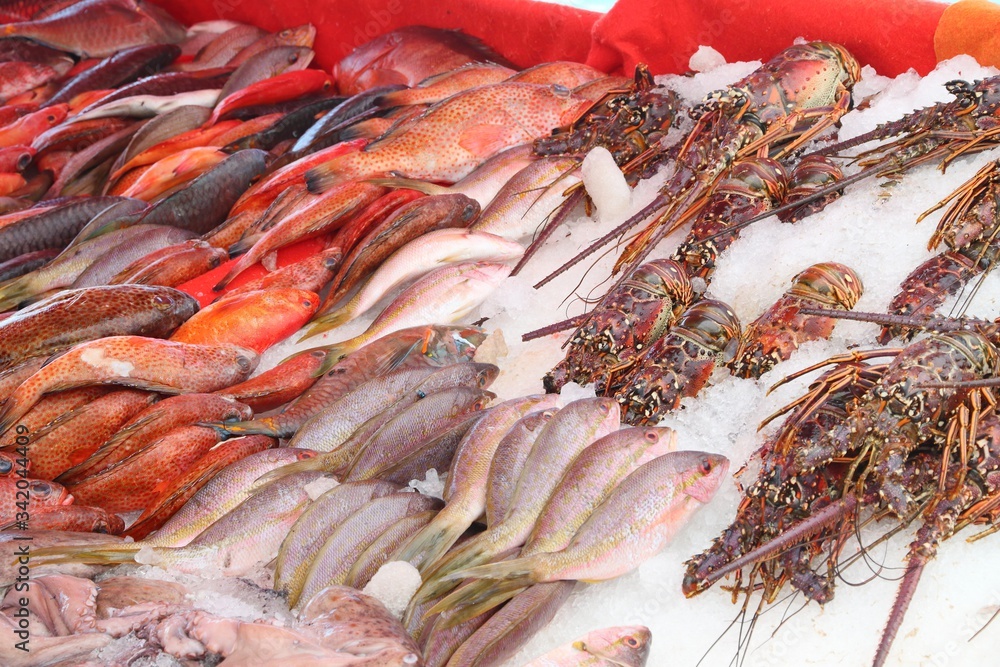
(45, 415)
(426, 253)
(74, 518)
(279, 385)
(380, 551)
(435, 451)
(135, 361)
(162, 85)
(157, 130)
(266, 65)
(99, 28)
(122, 67)
(171, 266)
(153, 423)
(465, 493)
(344, 546)
(41, 493)
(206, 201)
(316, 525)
(562, 72)
(312, 273)
(407, 431)
(107, 266)
(508, 462)
(439, 86)
(291, 126)
(54, 228)
(75, 316)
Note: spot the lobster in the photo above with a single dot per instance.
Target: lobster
(782, 328)
(677, 365)
(631, 319)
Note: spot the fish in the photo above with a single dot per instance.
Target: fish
(334, 560)
(455, 135)
(407, 431)
(288, 85)
(74, 518)
(256, 320)
(45, 416)
(11, 540)
(508, 462)
(206, 200)
(426, 253)
(18, 77)
(561, 72)
(445, 296)
(172, 171)
(315, 526)
(153, 423)
(134, 361)
(151, 238)
(84, 172)
(231, 546)
(266, 65)
(406, 223)
(409, 348)
(171, 266)
(312, 274)
(529, 198)
(75, 316)
(163, 85)
(291, 126)
(465, 492)
(343, 430)
(634, 524)
(436, 450)
(135, 482)
(439, 86)
(11, 464)
(53, 228)
(224, 47)
(626, 646)
(317, 217)
(173, 497)
(39, 492)
(122, 67)
(380, 551)
(16, 158)
(147, 106)
(279, 385)
(303, 35)
(562, 439)
(512, 625)
(157, 130)
(68, 266)
(99, 28)
(81, 431)
(407, 56)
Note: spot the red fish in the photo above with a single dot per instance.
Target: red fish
(311, 273)
(24, 130)
(173, 171)
(283, 383)
(39, 493)
(74, 519)
(281, 88)
(256, 320)
(456, 135)
(15, 158)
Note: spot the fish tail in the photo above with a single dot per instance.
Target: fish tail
(243, 245)
(13, 292)
(474, 599)
(327, 322)
(520, 569)
(238, 268)
(426, 546)
(410, 184)
(109, 555)
(320, 178)
(12, 409)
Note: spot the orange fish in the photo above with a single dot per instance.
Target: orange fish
(311, 273)
(133, 361)
(26, 128)
(437, 87)
(246, 128)
(174, 170)
(564, 73)
(256, 320)
(456, 135)
(279, 385)
(42, 418)
(74, 519)
(190, 139)
(40, 493)
(10, 183)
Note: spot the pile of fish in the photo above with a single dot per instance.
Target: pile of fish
(173, 203)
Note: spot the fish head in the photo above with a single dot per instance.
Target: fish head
(492, 273)
(49, 493)
(110, 524)
(660, 440)
(624, 645)
(451, 343)
(303, 35)
(8, 464)
(169, 300)
(486, 374)
(701, 473)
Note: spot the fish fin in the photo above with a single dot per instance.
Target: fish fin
(510, 570)
(326, 323)
(238, 268)
(317, 463)
(485, 140)
(244, 244)
(109, 555)
(472, 600)
(238, 429)
(13, 292)
(320, 178)
(426, 546)
(410, 184)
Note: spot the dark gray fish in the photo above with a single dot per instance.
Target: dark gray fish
(26, 263)
(205, 202)
(349, 109)
(54, 228)
(166, 83)
(290, 127)
(160, 129)
(268, 64)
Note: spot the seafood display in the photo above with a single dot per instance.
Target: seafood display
(421, 357)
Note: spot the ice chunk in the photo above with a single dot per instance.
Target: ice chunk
(605, 184)
(431, 485)
(393, 585)
(320, 486)
(706, 59)
(493, 349)
(571, 391)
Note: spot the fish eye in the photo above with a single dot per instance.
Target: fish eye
(242, 362)
(51, 118)
(632, 641)
(5, 466)
(306, 303)
(294, 58)
(705, 467)
(41, 488)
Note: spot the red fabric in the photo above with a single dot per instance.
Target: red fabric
(891, 36)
